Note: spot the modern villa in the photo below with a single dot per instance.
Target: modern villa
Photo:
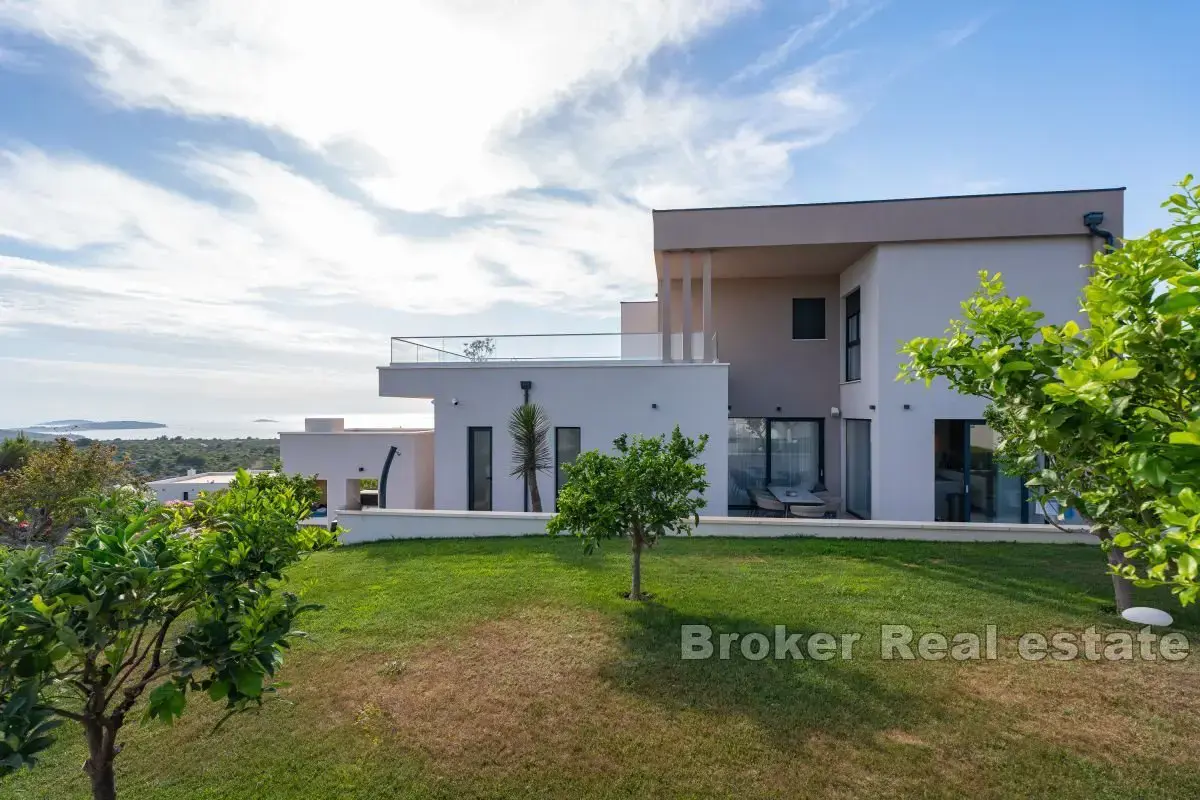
(775, 332)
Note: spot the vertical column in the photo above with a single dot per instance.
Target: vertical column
(686, 294)
(706, 320)
(664, 303)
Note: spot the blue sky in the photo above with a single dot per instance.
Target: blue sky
(214, 209)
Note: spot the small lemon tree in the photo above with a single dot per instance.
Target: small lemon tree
(153, 601)
(648, 488)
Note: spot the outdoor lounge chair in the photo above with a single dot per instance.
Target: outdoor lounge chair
(765, 504)
(810, 512)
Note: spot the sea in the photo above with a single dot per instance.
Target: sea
(267, 428)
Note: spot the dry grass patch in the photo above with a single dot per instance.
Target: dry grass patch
(1109, 710)
(533, 694)
(538, 693)
(905, 738)
(520, 689)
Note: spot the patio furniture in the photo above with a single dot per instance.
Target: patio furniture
(833, 504)
(766, 505)
(810, 511)
(789, 496)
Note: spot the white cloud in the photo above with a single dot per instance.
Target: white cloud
(799, 36)
(672, 146)
(430, 89)
(142, 258)
(535, 130)
(953, 37)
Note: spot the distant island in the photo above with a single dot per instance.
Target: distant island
(13, 433)
(264, 419)
(69, 425)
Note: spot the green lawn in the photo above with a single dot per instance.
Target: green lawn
(513, 668)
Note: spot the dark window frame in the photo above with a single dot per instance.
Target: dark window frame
(471, 465)
(853, 343)
(996, 471)
(846, 477)
(800, 316)
(557, 462)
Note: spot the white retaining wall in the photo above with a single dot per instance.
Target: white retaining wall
(371, 525)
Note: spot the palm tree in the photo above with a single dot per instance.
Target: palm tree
(529, 428)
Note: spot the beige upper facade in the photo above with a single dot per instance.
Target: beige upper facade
(697, 251)
(732, 275)
(840, 231)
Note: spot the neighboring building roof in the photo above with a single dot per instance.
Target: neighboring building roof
(204, 478)
(870, 222)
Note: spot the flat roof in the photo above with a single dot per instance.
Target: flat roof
(211, 478)
(866, 223)
(891, 200)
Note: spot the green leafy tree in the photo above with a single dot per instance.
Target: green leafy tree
(303, 487)
(529, 429)
(648, 488)
(46, 497)
(149, 600)
(1104, 419)
(15, 452)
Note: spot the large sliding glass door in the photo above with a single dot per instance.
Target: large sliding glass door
(765, 451)
(795, 453)
(969, 485)
(747, 459)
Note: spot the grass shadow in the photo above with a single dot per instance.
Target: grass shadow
(1067, 585)
(788, 699)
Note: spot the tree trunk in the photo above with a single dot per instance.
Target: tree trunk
(635, 589)
(535, 497)
(1122, 587)
(99, 766)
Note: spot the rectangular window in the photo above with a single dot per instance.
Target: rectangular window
(858, 467)
(808, 318)
(566, 450)
(479, 469)
(853, 336)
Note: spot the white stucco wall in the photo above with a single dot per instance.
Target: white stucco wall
(338, 456)
(602, 399)
(173, 491)
(857, 396)
(915, 290)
